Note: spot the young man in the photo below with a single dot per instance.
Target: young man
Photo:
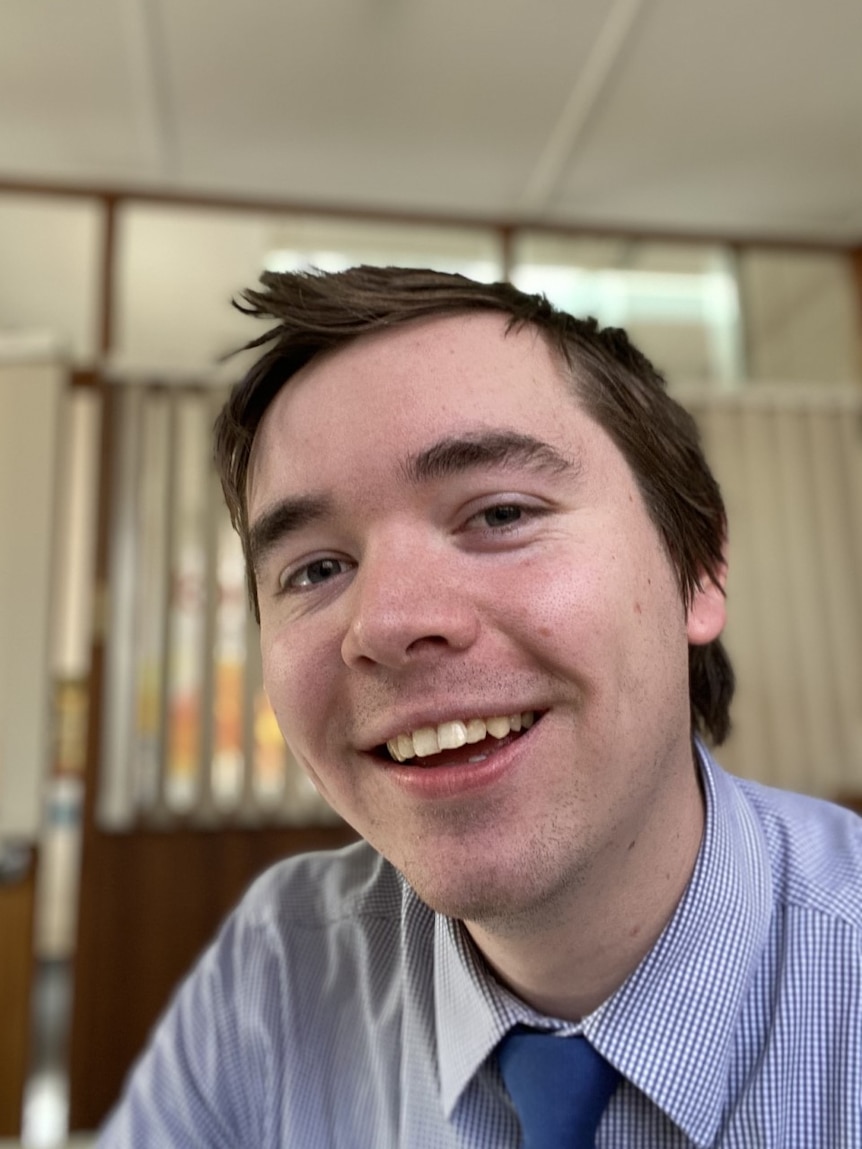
(487, 559)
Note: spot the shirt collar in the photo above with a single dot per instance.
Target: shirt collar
(706, 954)
(467, 1016)
(473, 1011)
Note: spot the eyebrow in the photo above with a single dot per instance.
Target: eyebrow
(283, 519)
(456, 454)
(449, 456)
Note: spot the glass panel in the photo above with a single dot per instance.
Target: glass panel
(802, 316)
(678, 302)
(49, 252)
(332, 245)
(179, 268)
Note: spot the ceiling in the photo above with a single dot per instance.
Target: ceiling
(740, 118)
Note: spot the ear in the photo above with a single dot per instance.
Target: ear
(708, 611)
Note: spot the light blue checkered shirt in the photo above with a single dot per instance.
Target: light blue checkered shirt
(336, 1011)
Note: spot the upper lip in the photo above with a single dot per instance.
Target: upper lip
(456, 713)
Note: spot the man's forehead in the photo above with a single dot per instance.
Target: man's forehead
(474, 334)
(432, 363)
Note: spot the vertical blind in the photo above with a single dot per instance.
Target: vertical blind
(789, 460)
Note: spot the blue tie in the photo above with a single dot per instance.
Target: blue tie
(560, 1087)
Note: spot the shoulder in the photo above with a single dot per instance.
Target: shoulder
(302, 984)
(314, 938)
(345, 910)
(320, 889)
(815, 850)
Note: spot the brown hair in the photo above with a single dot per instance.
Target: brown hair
(617, 385)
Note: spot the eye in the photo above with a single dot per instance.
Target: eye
(314, 574)
(506, 521)
(502, 515)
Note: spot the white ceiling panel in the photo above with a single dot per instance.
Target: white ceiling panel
(435, 106)
(68, 101)
(740, 118)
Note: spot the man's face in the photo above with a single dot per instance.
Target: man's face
(444, 539)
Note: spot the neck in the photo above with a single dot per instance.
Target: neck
(569, 955)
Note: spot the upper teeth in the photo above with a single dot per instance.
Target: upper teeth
(429, 740)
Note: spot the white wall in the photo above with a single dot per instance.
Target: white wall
(29, 428)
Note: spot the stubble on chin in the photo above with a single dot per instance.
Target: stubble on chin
(517, 896)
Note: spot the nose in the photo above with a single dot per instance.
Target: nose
(406, 605)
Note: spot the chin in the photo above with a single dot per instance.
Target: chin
(478, 908)
(481, 898)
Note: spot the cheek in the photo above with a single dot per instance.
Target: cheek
(656, 633)
(616, 614)
(568, 607)
(296, 682)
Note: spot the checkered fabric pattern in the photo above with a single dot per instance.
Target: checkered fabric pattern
(336, 1011)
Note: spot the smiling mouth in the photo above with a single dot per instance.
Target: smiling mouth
(434, 745)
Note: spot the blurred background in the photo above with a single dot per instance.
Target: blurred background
(690, 171)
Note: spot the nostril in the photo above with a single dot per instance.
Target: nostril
(432, 640)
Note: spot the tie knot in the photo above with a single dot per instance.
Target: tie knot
(560, 1087)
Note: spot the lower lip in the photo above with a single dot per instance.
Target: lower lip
(440, 782)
